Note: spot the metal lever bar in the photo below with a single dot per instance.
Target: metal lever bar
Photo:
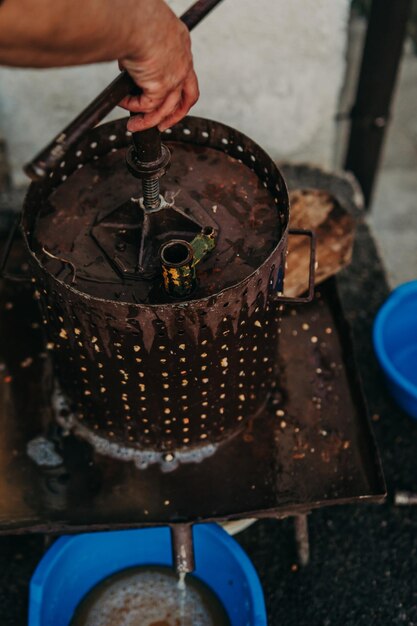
(110, 97)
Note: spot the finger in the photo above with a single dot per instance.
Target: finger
(141, 104)
(155, 117)
(189, 96)
(129, 102)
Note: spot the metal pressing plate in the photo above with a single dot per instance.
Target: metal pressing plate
(312, 448)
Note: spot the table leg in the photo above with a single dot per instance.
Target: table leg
(302, 539)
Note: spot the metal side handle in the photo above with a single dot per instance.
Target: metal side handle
(311, 275)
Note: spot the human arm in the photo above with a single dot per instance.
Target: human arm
(149, 41)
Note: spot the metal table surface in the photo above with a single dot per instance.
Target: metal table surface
(312, 447)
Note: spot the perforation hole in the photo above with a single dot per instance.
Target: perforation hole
(112, 137)
(93, 145)
(204, 134)
(186, 131)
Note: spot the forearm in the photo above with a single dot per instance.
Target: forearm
(145, 36)
(48, 33)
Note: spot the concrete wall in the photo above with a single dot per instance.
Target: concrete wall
(272, 68)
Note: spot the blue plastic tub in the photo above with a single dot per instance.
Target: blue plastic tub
(73, 565)
(395, 342)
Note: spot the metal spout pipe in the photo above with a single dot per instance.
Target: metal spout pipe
(182, 548)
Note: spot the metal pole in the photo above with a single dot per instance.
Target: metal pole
(182, 548)
(302, 539)
(371, 112)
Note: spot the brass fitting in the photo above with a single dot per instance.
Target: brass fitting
(179, 259)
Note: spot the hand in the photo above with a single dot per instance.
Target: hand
(162, 66)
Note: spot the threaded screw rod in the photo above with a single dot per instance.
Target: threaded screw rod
(150, 187)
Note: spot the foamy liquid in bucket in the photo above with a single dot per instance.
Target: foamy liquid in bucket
(150, 596)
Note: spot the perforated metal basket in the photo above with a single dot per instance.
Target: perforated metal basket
(173, 375)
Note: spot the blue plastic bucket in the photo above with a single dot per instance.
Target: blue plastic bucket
(395, 342)
(74, 565)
